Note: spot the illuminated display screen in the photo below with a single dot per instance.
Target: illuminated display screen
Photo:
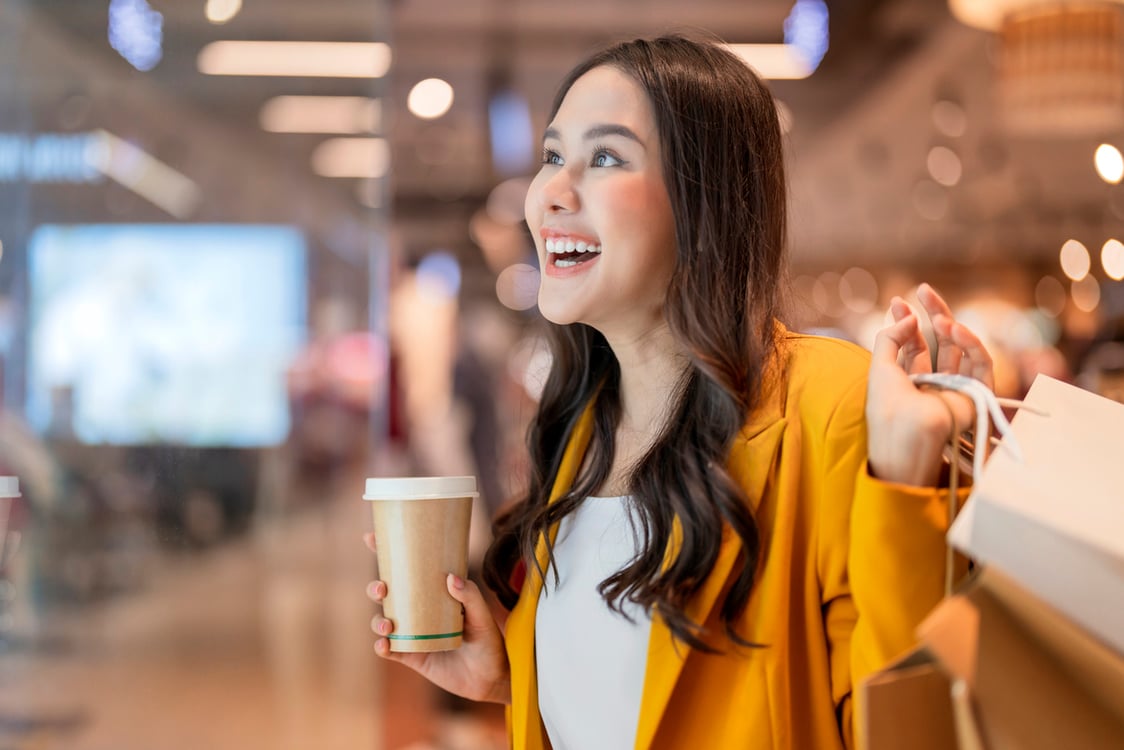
(174, 334)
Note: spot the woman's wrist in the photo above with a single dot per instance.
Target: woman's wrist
(917, 464)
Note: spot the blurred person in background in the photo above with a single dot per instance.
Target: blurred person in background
(728, 525)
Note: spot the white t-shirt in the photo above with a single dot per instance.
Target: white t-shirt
(590, 660)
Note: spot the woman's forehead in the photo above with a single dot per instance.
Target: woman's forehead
(606, 95)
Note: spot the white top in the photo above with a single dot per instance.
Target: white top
(590, 660)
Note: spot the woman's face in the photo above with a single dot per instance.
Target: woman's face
(599, 210)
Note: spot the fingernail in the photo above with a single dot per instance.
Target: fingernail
(384, 627)
(458, 582)
(372, 589)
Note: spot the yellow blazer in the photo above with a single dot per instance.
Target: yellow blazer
(850, 565)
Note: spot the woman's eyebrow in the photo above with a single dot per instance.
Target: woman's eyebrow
(598, 131)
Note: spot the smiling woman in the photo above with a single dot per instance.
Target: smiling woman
(601, 186)
(722, 510)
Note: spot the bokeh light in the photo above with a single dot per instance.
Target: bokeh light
(431, 98)
(1075, 260)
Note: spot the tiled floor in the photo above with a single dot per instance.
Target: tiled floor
(261, 643)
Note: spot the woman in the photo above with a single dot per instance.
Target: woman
(728, 524)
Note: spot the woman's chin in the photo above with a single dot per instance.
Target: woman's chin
(558, 314)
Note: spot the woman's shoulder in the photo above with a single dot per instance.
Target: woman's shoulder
(823, 374)
(833, 359)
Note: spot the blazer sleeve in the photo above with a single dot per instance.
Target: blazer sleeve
(881, 552)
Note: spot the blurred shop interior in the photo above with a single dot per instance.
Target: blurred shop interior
(252, 251)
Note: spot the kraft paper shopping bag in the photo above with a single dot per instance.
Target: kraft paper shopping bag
(1052, 516)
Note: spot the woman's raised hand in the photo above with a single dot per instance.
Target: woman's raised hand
(478, 670)
(907, 426)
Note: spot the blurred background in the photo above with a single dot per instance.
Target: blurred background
(253, 251)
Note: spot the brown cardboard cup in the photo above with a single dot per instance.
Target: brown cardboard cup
(421, 534)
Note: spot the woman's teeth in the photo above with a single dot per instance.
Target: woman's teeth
(560, 246)
(579, 250)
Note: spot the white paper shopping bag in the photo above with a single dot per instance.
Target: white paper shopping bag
(1053, 518)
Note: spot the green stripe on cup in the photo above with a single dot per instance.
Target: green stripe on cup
(397, 637)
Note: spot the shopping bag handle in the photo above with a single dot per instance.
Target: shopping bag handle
(987, 405)
(988, 408)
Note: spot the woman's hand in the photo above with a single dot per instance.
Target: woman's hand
(478, 670)
(909, 427)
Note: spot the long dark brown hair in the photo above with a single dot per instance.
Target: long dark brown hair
(723, 168)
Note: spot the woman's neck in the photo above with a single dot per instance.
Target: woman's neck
(652, 367)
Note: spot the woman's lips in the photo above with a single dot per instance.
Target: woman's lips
(572, 264)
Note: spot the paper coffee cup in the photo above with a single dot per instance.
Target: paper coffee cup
(421, 534)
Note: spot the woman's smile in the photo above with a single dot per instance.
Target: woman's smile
(569, 254)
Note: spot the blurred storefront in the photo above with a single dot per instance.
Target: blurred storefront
(252, 252)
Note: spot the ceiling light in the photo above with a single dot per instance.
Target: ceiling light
(321, 114)
(806, 29)
(1112, 258)
(1075, 261)
(990, 14)
(136, 31)
(431, 98)
(221, 11)
(1059, 67)
(775, 61)
(1109, 163)
(300, 59)
(351, 157)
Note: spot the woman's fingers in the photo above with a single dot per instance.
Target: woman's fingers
(477, 616)
(949, 353)
(976, 362)
(933, 303)
(376, 590)
(369, 540)
(381, 625)
(902, 342)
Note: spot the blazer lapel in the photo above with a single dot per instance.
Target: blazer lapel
(751, 463)
(526, 725)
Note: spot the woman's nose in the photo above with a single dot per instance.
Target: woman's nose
(558, 194)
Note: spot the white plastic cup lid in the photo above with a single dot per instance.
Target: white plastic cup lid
(420, 488)
(9, 487)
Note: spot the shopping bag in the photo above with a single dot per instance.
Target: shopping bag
(908, 705)
(1037, 680)
(1051, 515)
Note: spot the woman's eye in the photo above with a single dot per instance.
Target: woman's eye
(605, 159)
(551, 157)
